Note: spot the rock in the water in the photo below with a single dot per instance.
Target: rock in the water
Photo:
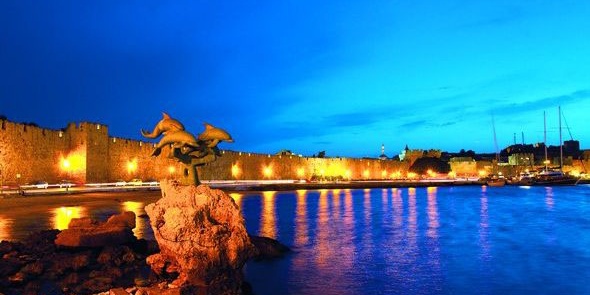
(201, 235)
(268, 248)
(85, 232)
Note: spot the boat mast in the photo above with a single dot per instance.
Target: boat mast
(495, 139)
(545, 137)
(560, 142)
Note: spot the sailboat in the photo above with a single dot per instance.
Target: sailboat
(496, 179)
(554, 177)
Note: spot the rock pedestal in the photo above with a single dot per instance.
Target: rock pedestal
(202, 237)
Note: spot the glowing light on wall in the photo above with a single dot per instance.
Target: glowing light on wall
(366, 174)
(132, 166)
(384, 174)
(171, 170)
(267, 171)
(63, 215)
(482, 173)
(235, 170)
(74, 162)
(411, 175)
(452, 174)
(430, 173)
(300, 172)
(65, 164)
(348, 174)
(396, 175)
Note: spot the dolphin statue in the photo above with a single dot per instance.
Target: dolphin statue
(165, 125)
(177, 139)
(213, 135)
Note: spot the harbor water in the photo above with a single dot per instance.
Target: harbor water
(445, 240)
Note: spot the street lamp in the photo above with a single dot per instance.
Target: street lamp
(18, 183)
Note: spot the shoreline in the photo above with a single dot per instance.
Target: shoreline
(248, 186)
(256, 186)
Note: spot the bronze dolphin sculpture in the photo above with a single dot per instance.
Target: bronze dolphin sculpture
(177, 139)
(213, 135)
(165, 125)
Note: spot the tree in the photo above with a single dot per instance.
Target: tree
(422, 165)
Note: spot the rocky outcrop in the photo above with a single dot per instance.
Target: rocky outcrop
(38, 266)
(202, 238)
(267, 248)
(85, 232)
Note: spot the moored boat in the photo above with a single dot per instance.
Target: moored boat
(496, 181)
(550, 177)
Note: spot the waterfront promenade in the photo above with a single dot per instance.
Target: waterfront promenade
(245, 185)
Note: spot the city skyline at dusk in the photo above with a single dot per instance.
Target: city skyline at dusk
(303, 76)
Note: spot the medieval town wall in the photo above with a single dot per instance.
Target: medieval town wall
(37, 153)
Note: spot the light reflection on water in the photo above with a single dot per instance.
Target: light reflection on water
(5, 228)
(435, 240)
(237, 198)
(141, 223)
(474, 240)
(63, 215)
(268, 218)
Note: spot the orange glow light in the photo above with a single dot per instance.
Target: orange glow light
(300, 172)
(65, 164)
(267, 171)
(63, 215)
(132, 166)
(383, 174)
(366, 174)
(74, 162)
(235, 170)
(171, 169)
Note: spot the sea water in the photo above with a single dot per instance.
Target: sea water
(445, 240)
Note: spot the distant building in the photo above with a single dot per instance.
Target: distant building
(383, 156)
(463, 166)
(409, 155)
(572, 148)
(521, 159)
(285, 153)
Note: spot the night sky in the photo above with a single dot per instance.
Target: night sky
(339, 76)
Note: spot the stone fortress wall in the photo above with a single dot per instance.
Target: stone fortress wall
(86, 153)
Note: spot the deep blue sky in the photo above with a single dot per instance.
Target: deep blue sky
(340, 76)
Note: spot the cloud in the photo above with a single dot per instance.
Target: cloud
(542, 103)
(414, 124)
